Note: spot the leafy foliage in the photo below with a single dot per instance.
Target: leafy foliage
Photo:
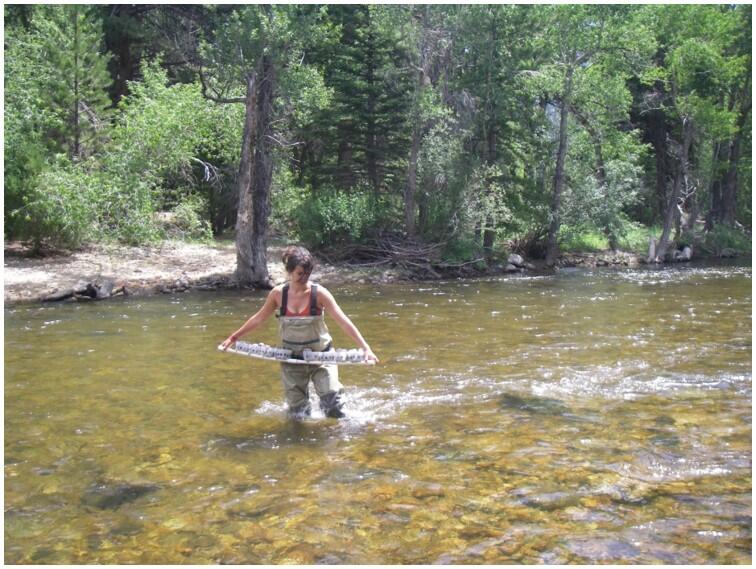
(465, 100)
(335, 216)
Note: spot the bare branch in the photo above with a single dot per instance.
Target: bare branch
(211, 172)
(216, 98)
(283, 143)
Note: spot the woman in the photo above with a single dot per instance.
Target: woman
(300, 307)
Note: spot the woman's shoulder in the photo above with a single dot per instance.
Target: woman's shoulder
(320, 287)
(276, 292)
(323, 292)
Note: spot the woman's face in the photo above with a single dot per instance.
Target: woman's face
(299, 275)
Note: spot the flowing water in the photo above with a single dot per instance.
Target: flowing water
(587, 417)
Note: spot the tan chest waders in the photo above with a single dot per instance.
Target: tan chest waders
(308, 332)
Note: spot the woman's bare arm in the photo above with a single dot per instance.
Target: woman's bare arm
(256, 320)
(329, 303)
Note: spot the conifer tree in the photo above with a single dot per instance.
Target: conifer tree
(364, 131)
(79, 80)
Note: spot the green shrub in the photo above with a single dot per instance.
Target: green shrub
(461, 249)
(722, 237)
(631, 237)
(164, 134)
(581, 238)
(190, 219)
(335, 216)
(60, 208)
(287, 201)
(634, 236)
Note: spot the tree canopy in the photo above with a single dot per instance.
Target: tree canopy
(481, 128)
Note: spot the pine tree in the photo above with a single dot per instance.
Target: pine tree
(79, 80)
(364, 132)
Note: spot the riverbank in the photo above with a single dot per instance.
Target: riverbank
(172, 266)
(175, 266)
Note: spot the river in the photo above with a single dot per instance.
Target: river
(587, 417)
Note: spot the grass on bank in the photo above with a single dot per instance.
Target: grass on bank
(635, 239)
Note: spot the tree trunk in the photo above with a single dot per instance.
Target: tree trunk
(263, 176)
(730, 184)
(695, 208)
(411, 187)
(489, 231)
(76, 152)
(423, 212)
(658, 132)
(244, 225)
(601, 180)
(669, 220)
(371, 134)
(552, 246)
(682, 177)
(609, 230)
(418, 130)
(715, 209)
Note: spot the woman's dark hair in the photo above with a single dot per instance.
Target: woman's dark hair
(295, 256)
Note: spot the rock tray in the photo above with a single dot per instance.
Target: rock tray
(333, 357)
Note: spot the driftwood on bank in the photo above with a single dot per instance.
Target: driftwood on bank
(97, 290)
(412, 256)
(416, 258)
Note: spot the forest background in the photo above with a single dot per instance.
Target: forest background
(463, 131)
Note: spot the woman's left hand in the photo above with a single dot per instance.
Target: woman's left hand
(228, 341)
(370, 356)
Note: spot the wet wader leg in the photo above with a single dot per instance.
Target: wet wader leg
(295, 382)
(329, 389)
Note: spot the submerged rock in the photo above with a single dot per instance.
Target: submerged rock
(551, 501)
(110, 496)
(250, 513)
(603, 549)
(428, 491)
(126, 527)
(329, 559)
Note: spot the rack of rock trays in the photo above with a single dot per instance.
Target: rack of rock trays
(266, 352)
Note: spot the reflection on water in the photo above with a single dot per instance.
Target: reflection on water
(589, 417)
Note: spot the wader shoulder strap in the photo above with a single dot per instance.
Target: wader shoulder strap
(284, 299)
(314, 300)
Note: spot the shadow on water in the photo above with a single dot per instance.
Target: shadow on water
(534, 405)
(286, 434)
(112, 495)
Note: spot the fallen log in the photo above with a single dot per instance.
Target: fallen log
(58, 296)
(98, 290)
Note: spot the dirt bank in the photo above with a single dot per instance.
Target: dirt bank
(178, 266)
(170, 266)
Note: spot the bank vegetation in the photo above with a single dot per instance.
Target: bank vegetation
(436, 135)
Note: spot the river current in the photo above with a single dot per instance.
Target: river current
(585, 417)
